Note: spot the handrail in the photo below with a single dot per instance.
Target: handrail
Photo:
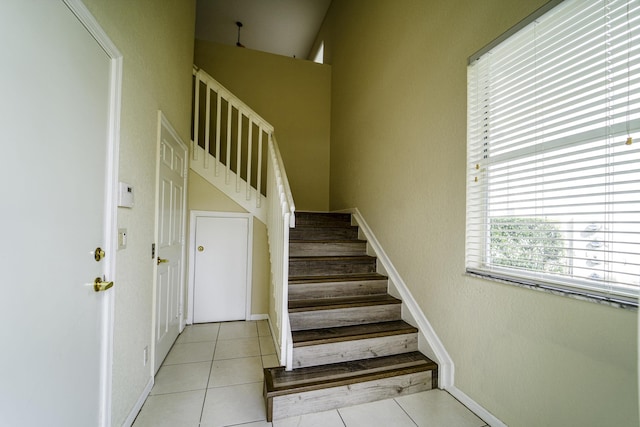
(280, 217)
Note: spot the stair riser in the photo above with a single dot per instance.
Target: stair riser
(301, 249)
(323, 220)
(279, 407)
(314, 355)
(337, 289)
(311, 267)
(317, 319)
(323, 233)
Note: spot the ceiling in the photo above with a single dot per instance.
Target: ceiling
(282, 27)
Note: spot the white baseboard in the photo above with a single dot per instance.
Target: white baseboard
(445, 363)
(136, 408)
(259, 317)
(474, 407)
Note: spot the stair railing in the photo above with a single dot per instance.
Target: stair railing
(229, 134)
(233, 135)
(280, 217)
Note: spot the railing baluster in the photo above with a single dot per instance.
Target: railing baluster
(239, 152)
(207, 126)
(228, 162)
(196, 116)
(218, 117)
(249, 147)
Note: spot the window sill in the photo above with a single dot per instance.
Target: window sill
(627, 305)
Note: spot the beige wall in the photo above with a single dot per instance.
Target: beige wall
(205, 197)
(156, 40)
(398, 153)
(294, 96)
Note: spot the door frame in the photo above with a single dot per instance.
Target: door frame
(163, 122)
(111, 209)
(192, 255)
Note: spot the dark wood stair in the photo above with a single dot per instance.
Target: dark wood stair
(350, 345)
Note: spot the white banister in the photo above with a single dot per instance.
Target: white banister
(278, 209)
(280, 217)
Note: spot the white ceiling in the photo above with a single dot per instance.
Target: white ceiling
(283, 27)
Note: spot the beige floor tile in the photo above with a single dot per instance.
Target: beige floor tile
(225, 406)
(383, 413)
(270, 361)
(267, 346)
(199, 332)
(234, 349)
(263, 328)
(170, 410)
(320, 419)
(437, 408)
(190, 352)
(235, 330)
(236, 371)
(185, 377)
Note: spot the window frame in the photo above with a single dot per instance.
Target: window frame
(564, 286)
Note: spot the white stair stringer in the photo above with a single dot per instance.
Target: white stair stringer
(225, 181)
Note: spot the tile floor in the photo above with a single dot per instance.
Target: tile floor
(213, 377)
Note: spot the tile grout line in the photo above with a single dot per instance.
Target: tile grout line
(405, 411)
(206, 389)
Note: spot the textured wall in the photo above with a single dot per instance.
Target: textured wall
(156, 40)
(294, 96)
(398, 153)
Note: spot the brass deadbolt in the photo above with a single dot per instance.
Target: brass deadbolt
(98, 254)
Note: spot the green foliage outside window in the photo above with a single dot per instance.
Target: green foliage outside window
(528, 243)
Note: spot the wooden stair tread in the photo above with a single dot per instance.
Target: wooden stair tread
(348, 333)
(296, 306)
(294, 280)
(279, 381)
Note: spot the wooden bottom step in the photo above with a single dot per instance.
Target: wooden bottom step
(321, 388)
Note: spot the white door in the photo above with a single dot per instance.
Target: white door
(221, 268)
(172, 181)
(55, 84)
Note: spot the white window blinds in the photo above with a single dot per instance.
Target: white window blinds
(553, 191)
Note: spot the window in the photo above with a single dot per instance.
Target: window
(319, 57)
(553, 178)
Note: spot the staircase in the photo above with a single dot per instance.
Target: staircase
(350, 345)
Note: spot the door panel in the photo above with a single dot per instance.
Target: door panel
(55, 87)
(171, 240)
(220, 277)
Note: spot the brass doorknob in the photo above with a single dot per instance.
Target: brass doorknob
(162, 260)
(200, 248)
(99, 285)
